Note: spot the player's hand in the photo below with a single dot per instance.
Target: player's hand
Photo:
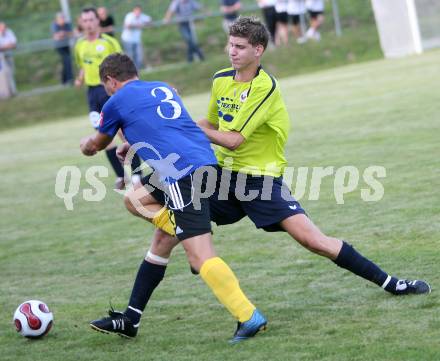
(87, 146)
(78, 82)
(122, 150)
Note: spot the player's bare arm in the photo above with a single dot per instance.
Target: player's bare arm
(80, 78)
(204, 123)
(92, 144)
(228, 139)
(122, 150)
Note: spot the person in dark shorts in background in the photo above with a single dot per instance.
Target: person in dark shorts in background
(90, 51)
(315, 8)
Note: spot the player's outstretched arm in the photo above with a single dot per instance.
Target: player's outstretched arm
(228, 139)
(204, 123)
(92, 144)
(122, 150)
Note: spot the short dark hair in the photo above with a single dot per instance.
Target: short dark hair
(118, 66)
(90, 9)
(250, 28)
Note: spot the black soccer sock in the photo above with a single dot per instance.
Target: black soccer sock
(114, 161)
(147, 279)
(135, 163)
(353, 261)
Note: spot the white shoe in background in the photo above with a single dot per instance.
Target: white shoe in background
(301, 40)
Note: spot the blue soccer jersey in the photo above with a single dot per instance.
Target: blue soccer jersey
(155, 121)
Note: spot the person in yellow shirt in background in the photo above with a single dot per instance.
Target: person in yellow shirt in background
(90, 50)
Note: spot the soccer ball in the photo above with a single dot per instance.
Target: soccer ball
(33, 319)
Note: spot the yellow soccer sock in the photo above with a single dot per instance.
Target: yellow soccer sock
(222, 281)
(164, 221)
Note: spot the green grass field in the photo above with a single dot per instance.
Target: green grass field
(379, 113)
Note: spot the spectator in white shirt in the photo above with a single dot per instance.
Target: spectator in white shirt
(282, 28)
(296, 9)
(8, 42)
(316, 14)
(131, 36)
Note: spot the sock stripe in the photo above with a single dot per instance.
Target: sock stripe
(386, 282)
(135, 310)
(156, 258)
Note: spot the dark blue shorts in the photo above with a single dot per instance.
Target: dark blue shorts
(272, 201)
(295, 19)
(189, 220)
(314, 14)
(231, 200)
(96, 98)
(283, 17)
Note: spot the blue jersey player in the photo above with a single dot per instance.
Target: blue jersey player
(155, 121)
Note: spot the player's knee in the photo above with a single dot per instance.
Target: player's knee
(129, 204)
(162, 245)
(163, 242)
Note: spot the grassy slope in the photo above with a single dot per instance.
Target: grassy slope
(383, 113)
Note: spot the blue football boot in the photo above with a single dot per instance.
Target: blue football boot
(250, 328)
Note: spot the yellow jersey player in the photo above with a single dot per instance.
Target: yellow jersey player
(248, 120)
(90, 50)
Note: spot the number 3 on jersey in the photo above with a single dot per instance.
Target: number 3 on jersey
(177, 109)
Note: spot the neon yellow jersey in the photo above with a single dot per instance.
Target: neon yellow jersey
(256, 110)
(90, 54)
